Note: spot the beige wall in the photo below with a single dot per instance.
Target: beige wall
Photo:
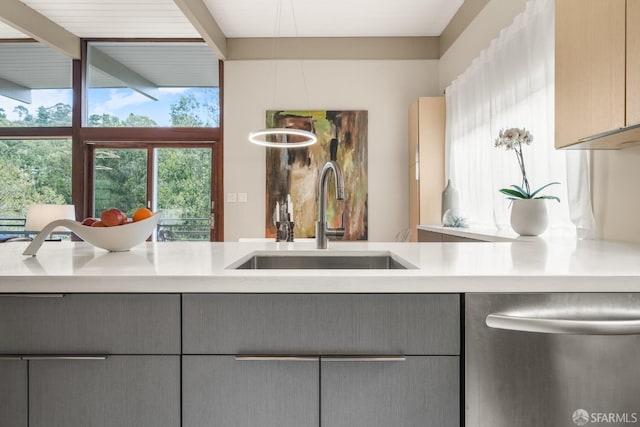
(616, 198)
(385, 88)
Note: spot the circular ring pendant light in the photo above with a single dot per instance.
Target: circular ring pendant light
(277, 137)
(260, 137)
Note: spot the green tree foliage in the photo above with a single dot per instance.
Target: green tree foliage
(190, 112)
(120, 179)
(24, 177)
(184, 181)
(110, 121)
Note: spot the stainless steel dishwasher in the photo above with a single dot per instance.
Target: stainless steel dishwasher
(562, 359)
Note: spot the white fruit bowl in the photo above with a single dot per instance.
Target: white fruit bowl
(114, 239)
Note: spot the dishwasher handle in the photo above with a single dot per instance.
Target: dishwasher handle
(564, 326)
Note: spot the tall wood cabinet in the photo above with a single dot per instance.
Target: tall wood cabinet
(597, 70)
(426, 161)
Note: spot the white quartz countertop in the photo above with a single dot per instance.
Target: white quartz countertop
(521, 266)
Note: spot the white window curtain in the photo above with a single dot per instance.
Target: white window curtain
(510, 85)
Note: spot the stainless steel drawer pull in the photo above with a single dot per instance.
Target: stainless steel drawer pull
(620, 326)
(31, 295)
(276, 358)
(381, 358)
(62, 357)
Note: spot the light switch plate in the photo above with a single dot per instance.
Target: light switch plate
(232, 197)
(242, 197)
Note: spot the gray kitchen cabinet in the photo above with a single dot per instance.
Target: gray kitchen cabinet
(225, 392)
(418, 324)
(336, 384)
(138, 384)
(120, 391)
(90, 323)
(13, 393)
(420, 391)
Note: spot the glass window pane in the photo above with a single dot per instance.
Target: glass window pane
(35, 86)
(183, 193)
(152, 84)
(120, 179)
(32, 171)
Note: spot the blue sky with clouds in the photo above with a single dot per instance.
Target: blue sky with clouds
(118, 102)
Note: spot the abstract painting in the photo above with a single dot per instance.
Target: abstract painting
(342, 136)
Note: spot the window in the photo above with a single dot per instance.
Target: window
(159, 84)
(35, 86)
(176, 181)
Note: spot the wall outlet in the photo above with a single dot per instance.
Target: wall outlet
(242, 197)
(232, 197)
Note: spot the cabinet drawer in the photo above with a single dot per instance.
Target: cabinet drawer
(140, 391)
(13, 393)
(419, 324)
(249, 393)
(91, 323)
(420, 391)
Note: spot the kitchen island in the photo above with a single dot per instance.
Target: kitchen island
(183, 267)
(177, 329)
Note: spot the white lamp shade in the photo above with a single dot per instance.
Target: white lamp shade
(39, 215)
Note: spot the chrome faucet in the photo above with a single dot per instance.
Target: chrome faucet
(322, 231)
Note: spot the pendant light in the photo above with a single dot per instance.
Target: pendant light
(279, 137)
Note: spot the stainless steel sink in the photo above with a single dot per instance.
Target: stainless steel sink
(322, 261)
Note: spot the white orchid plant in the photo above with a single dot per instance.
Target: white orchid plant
(513, 139)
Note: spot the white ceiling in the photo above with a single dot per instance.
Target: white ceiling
(248, 18)
(37, 66)
(332, 18)
(116, 18)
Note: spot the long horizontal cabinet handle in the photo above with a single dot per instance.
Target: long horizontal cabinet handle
(324, 358)
(54, 357)
(575, 326)
(367, 358)
(31, 295)
(276, 358)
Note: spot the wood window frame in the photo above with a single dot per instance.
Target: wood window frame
(82, 138)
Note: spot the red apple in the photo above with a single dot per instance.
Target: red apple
(112, 217)
(89, 221)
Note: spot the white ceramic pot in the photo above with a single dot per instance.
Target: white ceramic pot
(529, 216)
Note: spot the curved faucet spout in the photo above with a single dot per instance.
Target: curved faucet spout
(322, 231)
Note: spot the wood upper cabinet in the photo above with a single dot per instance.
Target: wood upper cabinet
(633, 62)
(597, 72)
(589, 68)
(426, 161)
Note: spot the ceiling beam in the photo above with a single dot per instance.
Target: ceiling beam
(383, 48)
(15, 91)
(126, 75)
(33, 24)
(460, 21)
(200, 16)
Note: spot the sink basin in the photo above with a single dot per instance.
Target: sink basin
(321, 261)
